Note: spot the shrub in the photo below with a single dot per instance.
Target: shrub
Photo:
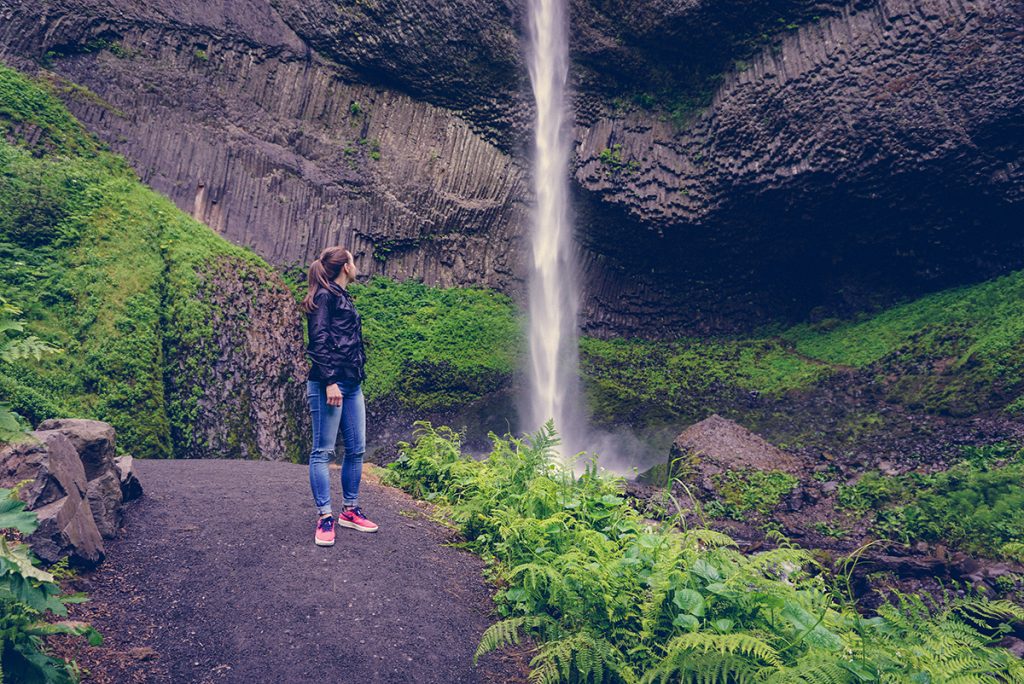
(607, 598)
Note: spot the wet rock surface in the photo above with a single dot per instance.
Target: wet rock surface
(244, 383)
(865, 152)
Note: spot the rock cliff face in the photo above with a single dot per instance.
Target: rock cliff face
(873, 152)
(864, 151)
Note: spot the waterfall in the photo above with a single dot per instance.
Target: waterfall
(553, 293)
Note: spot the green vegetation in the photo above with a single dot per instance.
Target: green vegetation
(977, 505)
(607, 598)
(201, 55)
(436, 348)
(970, 341)
(29, 600)
(15, 347)
(750, 491)
(956, 351)
(629, 378)
(105, 269)
(611, 158)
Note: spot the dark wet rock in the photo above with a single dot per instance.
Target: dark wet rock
(796, 499)
(106, 503)
(92, 439)
(51, 464)
(131, 487)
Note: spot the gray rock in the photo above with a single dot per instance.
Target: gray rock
(105, 502)
(67, 528)
(715, 445)
(57, 492)
(92, 439)
(50, 462)
(131, 487)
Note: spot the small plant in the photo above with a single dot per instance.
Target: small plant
(745, 491)
(611, 157)
(200, 55)
(120, 51)
(29, 595)
(827, 529)
(355, 109)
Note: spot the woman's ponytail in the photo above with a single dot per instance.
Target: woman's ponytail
(322, 271)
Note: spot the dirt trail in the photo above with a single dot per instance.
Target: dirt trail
(217, 573)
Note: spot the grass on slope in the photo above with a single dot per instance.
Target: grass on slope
(957, 351)
(436, 348)
(103, 267)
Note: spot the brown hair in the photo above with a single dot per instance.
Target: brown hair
(323, 271)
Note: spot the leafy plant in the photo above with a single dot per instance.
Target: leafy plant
(605, 597)
(29, 599)
(977, 505)
(14, 348)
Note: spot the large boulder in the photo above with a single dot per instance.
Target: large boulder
(92, 439)
(94, 442)
(57, 492)
(716, 445)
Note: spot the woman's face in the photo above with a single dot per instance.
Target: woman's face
(350, 268)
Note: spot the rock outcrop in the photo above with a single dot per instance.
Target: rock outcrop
(865, 151)
(241, 387)
(871, 152)
(58, 495)
(74, 486)
(716, 444)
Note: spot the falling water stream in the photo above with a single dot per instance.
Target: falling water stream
(553, 300)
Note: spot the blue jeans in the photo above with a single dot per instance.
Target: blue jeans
(351, 417)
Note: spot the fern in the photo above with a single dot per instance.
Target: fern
(580, 657)
(507, 632)
(605, 598)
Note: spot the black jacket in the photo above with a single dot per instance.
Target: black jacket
(335, 337)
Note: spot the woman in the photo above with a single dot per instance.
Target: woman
(335, 390)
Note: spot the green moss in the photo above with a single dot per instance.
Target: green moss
(662, 379)
(107, 270)
(751, 491)
(436, 348)
(24, 104)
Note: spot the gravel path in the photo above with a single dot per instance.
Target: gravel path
(217, 579)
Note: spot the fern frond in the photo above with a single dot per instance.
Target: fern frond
(725, 644)
(507, 632)
(689, 667)
(701, 537)
(579, 657)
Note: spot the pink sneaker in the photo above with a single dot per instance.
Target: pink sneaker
(325, 532)
(354, 518)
